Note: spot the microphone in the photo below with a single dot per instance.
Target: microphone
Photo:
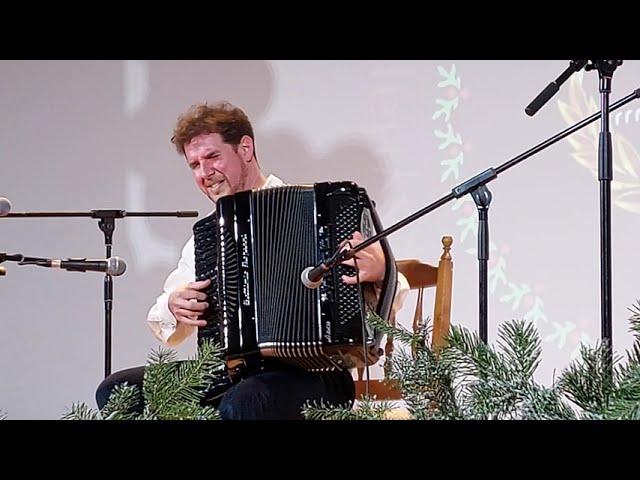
(553, 88)
(113, 266)
(5, 206)
(312, 276)
(542, 98)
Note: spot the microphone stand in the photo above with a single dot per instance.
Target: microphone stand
(605, 176)
(106, 223)
(476, 186)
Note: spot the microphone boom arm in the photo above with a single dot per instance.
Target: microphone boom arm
(478, 181)
(314, 274)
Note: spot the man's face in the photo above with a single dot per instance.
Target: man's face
(217, 167)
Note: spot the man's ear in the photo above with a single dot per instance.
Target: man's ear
(245, 148)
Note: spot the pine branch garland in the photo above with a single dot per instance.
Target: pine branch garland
(368, 409)
(468, 379)
(587, 382)
(171, 390)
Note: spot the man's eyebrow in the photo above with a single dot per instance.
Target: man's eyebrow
(207, 152)
(212, 151)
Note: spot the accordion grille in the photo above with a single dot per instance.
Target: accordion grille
(288, 312)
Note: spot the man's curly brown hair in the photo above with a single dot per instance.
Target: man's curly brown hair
(223, 118)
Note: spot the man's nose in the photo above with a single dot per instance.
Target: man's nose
(208, 169)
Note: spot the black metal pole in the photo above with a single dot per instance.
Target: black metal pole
(107, 225)
(605, 176)
(482, 197)
(98, 213)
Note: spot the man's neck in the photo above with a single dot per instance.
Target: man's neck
(260, 181)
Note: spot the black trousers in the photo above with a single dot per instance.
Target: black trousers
(278, 393)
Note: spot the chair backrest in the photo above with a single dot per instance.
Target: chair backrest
(420, 276)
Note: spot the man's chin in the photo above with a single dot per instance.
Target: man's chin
(214, 197)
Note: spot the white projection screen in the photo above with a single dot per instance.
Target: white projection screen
(83, 135)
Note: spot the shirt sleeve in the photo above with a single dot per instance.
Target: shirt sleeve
(160, 319)
(402, 289)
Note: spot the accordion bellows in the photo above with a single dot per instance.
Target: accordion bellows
(254, 248)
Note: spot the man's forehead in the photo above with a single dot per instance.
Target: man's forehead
(209, 141)
(206, 139)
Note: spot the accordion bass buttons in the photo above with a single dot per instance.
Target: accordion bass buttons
(326, 296)
(326, 291)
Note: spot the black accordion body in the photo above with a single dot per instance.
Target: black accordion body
(254, 248)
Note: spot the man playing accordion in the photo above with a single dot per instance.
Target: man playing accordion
(217, 142)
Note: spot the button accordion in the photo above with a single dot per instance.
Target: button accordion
(254, 248)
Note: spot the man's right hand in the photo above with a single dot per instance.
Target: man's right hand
(187, 303)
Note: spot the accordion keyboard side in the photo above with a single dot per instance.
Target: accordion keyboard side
(205, 249)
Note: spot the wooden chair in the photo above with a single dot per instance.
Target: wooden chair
(420, 276)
